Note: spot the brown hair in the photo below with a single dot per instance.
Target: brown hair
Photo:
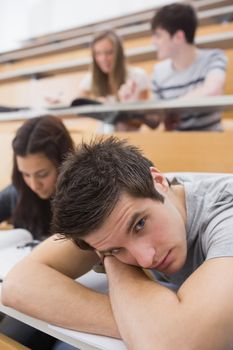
(47, 135)
(100, 80)
(91, 181)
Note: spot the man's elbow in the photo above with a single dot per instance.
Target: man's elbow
(11, 290)
(8, 297)
(214, 88)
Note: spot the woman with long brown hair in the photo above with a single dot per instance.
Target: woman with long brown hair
(39, 147)
(110, 78)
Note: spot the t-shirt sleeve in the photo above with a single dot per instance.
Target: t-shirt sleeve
(7, 202)
(218, 237)
(217, 62)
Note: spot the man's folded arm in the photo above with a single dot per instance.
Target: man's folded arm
(42, 285)
(199, 316)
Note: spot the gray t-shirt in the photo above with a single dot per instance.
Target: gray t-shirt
(168, 83)
(209, 225)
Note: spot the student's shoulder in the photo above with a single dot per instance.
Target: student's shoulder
(209, 185)
(85, 82)
(212, 55)
(9, 192)
(8, 201)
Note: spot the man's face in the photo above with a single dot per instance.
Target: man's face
(144, 232)
(164, 43)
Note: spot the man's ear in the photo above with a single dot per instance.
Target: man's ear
(160, 182)
(179, 36)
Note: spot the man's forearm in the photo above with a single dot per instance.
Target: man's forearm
(56, 298)
(134, 297)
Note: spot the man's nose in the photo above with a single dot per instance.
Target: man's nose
(144, 255)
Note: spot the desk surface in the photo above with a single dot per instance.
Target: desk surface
(102, 112)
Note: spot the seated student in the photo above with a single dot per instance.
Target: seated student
(39, 147)
(110, 79)
(185, 70)
(111, 201)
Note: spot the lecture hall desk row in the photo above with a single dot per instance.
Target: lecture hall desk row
(170, 151)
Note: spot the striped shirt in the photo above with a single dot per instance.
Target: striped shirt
(168, 83)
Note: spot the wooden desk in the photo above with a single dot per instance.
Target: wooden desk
(171, 151)
(102, 112)
(190, 151)
(77, 40)
(221, 40)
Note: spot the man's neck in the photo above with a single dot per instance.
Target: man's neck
(177, 196)
(184, 57)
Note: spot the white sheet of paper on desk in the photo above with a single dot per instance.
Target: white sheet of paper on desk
(9, 257)
(12, 238)
(96, 281)
(99, 341)
(9, 253)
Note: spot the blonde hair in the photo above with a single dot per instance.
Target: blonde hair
(100, 80)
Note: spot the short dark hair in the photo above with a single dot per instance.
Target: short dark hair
(176, 17)
(91, 181)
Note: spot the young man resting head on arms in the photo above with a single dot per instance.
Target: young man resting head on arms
(111, 201)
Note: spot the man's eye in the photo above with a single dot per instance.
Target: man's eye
(115, 251)
(139, 226)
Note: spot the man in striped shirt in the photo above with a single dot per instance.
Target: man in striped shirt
(185, 71)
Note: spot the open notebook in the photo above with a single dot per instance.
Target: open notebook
(14, 245)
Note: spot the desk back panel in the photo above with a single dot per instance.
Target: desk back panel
(186, 151)
(170, 151)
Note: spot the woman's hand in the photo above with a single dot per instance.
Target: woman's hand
(128, 92)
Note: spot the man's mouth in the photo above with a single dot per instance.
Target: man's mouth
(162, 264)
